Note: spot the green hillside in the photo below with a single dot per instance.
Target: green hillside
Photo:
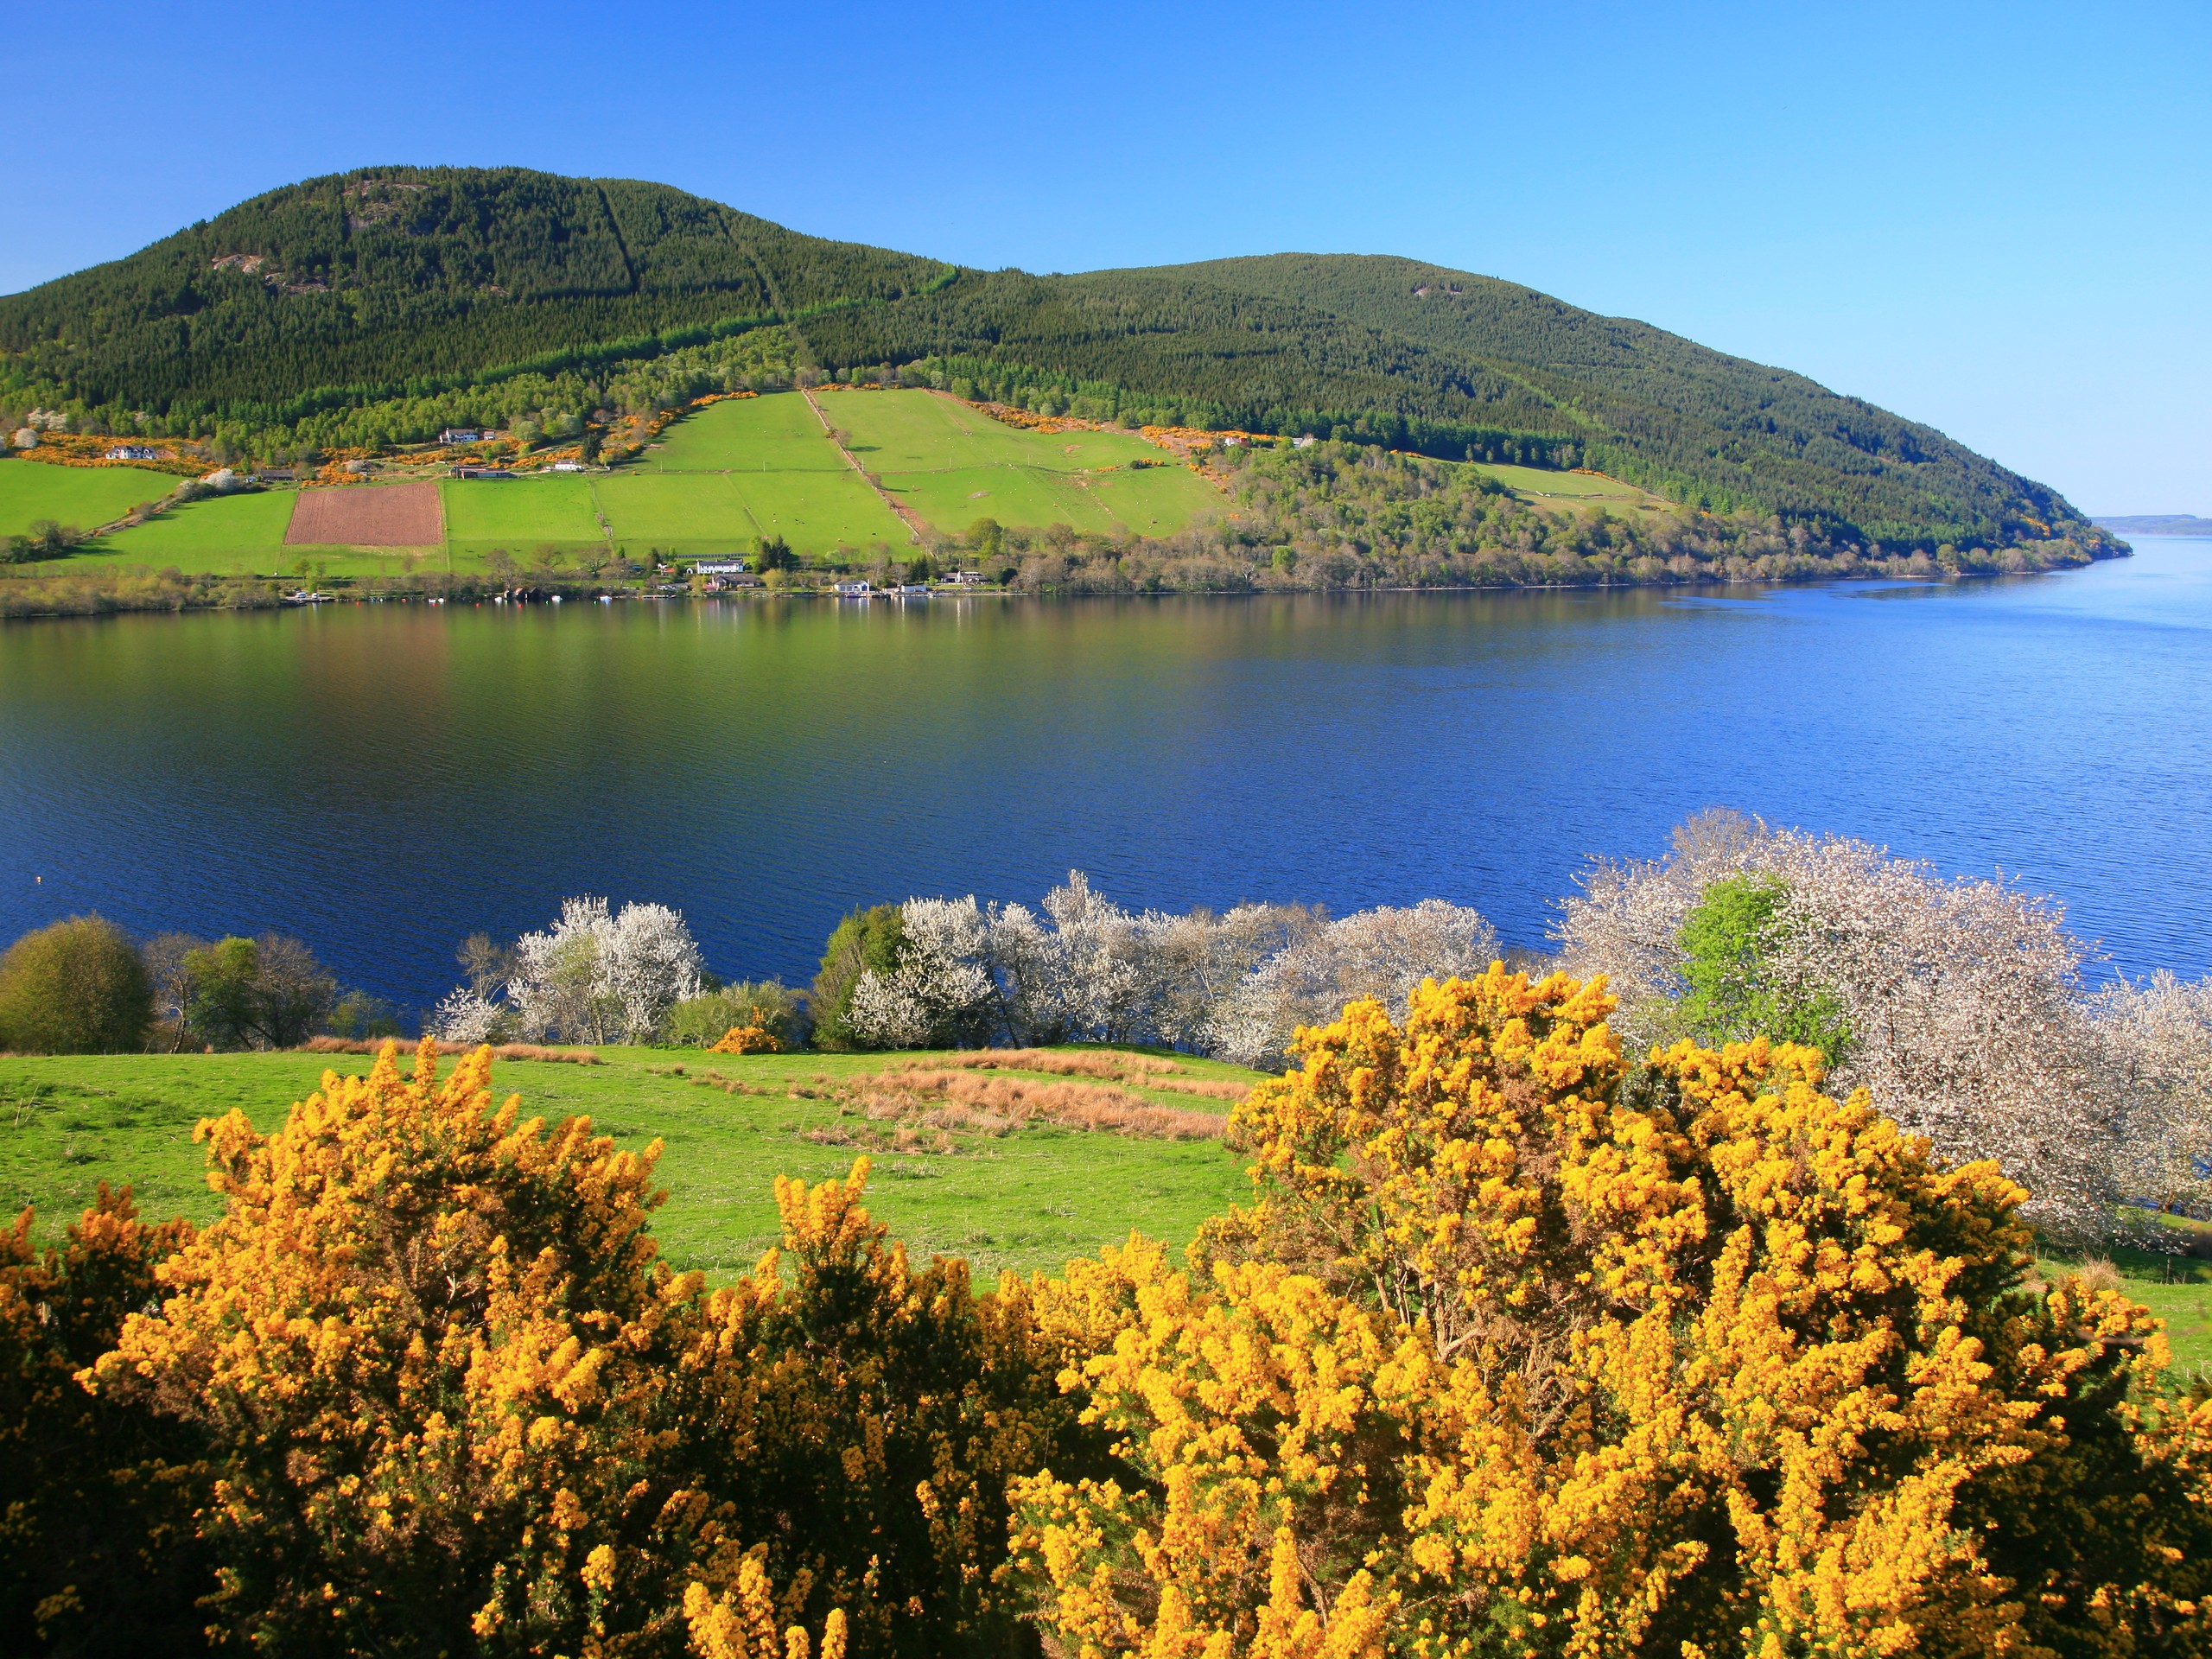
(369, 284)
(393, 292)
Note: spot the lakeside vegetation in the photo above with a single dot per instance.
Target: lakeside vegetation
(377, 308)
(412, 1371)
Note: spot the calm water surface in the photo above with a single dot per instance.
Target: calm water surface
(382, 780)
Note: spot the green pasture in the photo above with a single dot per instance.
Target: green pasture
(913, 432)
(953, 466)
(521, 514)
(1028, 1200)
(1536, 485)
(83, 496)
(694, 513)
(230, 535)
(774, 433)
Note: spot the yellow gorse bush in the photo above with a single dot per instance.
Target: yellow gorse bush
(449, 1397)
(431, 1338)
(1517, 1352)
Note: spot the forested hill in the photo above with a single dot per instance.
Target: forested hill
(364, 284)
(402, 283)
(1656, 408)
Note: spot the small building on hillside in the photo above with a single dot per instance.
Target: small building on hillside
(567, 467)
(134, 452)
(720, 567)
(462, 435)
(855, 589)
(966, 578)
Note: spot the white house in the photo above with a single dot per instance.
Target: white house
(854, 589)
(720, 567)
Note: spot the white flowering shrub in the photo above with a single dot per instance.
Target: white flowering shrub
(467, 1016)
(595, 976)
(1966, 1014)
(2159, 1033)
(1383, 953)
(1083, 969)
(941, 993)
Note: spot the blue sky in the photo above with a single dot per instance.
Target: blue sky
(1994, 218)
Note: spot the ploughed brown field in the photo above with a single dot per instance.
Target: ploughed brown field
(368, 515)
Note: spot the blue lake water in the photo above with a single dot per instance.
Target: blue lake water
(384, 779)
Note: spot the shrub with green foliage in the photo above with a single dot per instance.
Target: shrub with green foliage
(264, 992)
(1727, 943)
(75, 988)
(866, 939)
(702, 1021)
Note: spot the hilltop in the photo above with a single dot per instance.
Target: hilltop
(341, 309)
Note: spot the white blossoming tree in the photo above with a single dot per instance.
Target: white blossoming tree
(595, 976)
(1961, 1004)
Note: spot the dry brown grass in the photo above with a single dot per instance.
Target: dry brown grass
(1118, 1068)
(499, 1051)
(990, 1105)
(1211, 1087)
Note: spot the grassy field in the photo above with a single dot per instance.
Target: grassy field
(746, 468)
(520, 515)
(692, 513)
(1027, 1200)
(775, 434)
(953, 466)
(83, 496)
(232, 535)
(1542, 488)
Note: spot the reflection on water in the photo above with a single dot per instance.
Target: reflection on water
(382, 780)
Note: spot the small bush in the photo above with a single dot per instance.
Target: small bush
(75, 988)
(748, 1039)
(775, 1009)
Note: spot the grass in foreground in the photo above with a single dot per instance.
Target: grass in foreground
(1027, 1199)
(84, 496)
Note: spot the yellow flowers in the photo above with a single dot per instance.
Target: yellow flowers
(1516, 1352)
(755, 1038)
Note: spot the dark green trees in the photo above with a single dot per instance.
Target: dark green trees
(75, 988)
(867, 938)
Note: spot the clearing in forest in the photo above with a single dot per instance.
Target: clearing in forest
(1540, 487)
(368, 515)
(85, 497)
(953, 464)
